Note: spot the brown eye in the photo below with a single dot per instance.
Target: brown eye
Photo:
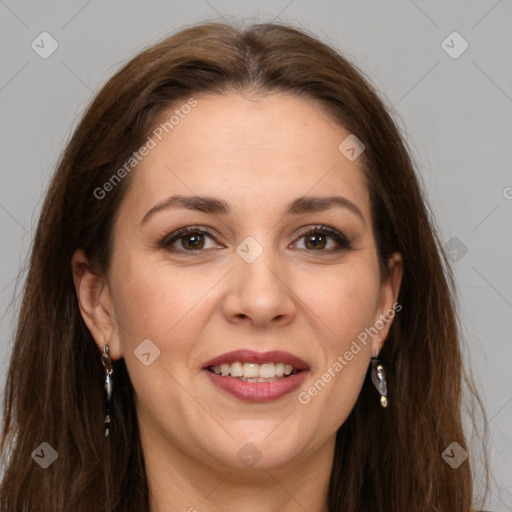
(187, 240)
(316, 241)
(192, 241)
(324, 239)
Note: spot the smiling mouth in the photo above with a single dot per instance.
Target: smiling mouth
(254, 372)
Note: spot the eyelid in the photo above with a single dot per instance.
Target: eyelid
(322, 229)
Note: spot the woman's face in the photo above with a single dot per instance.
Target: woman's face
(248, 276)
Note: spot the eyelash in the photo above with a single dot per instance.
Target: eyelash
(339, 238)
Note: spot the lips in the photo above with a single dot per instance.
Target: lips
(256, 389)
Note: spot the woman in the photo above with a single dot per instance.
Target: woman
(236, 298)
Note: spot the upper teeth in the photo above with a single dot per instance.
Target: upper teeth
(253, 370)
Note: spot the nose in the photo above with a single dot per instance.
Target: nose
(259, 293)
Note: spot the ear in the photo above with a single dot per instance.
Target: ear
(387, 305)
(95, 304)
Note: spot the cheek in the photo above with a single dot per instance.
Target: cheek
(344, 311)
(165, 306)
(154, 302)
(346, 304)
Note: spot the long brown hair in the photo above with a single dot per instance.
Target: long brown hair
(385, 460)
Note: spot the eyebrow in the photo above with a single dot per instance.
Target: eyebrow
(215, 206)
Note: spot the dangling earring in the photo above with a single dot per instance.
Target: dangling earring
(107, 363)
(379, 380)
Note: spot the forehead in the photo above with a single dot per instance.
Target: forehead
(264, 151)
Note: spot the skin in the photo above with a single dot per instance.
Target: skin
(259, 154)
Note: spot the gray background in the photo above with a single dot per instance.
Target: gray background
(456, 114)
